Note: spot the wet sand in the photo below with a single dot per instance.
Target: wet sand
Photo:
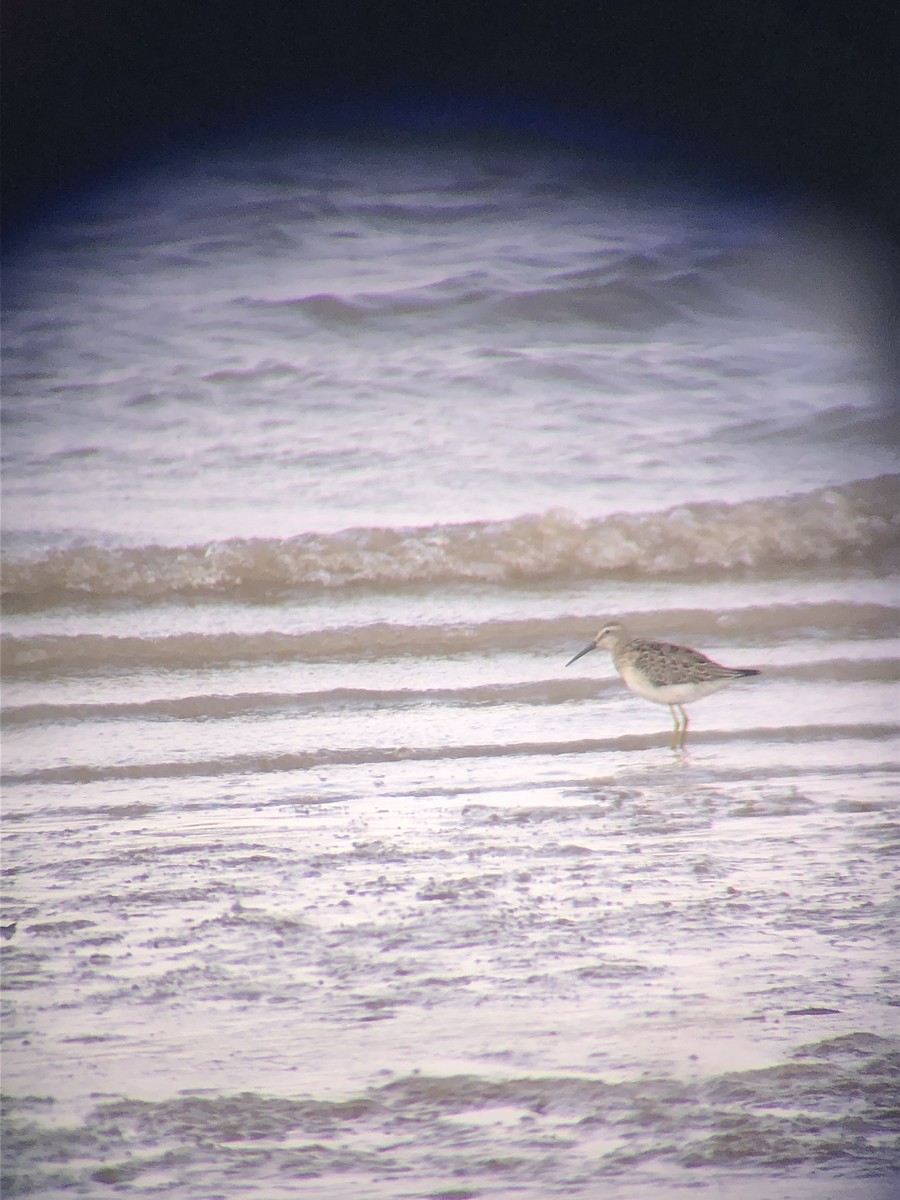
(661, 974)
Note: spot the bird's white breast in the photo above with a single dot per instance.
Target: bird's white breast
(671, 693)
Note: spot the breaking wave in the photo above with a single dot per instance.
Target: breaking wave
(856, 525)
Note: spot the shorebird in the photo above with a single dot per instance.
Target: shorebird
(663, 672)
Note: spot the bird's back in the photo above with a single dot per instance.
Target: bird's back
(663, 664)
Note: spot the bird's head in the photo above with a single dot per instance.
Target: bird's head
(607, 639)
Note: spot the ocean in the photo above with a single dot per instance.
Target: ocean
(322, 875)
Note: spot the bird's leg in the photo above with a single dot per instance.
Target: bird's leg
(684, 718)
(677, 730)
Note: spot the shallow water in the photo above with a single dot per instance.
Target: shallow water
(322, 874)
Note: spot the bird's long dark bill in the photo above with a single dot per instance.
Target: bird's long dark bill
(580, 653)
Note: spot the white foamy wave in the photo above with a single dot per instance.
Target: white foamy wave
(49, 655)
(252, 763)
(853, 525)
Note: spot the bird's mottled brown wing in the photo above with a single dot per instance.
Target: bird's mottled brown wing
(665, 663)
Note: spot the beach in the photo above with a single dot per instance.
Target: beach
(322, 874)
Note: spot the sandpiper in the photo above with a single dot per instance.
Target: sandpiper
(663, 672)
